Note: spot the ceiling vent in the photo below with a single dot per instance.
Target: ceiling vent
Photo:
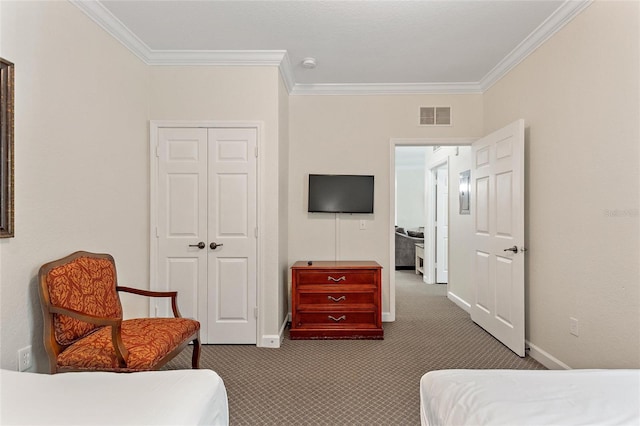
(435, 116)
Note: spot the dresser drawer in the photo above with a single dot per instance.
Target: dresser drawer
(336, 319)
(324, 299)
(336, 277)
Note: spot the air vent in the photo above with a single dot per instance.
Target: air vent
(435, 116)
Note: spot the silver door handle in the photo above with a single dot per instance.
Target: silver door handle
(337, 299)
(200, 245)
(340, 318)
(215, 245)
(513, 249)
(336, 280)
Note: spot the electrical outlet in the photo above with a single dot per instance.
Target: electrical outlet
(573, 326)
(24, 358)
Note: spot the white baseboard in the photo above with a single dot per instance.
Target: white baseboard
(387, 317)
(272, 340)
(458, 301)
(545, 358)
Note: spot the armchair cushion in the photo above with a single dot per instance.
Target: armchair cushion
(148, 340)
(68, 286)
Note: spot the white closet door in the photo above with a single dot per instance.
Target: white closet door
(207, 218)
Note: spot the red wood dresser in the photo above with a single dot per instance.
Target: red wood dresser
(336, 300)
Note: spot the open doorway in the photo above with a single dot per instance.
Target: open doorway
(443, 253)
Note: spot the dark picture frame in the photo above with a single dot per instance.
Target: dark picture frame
(7, 96)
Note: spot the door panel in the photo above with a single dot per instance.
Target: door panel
(233, 279)
(232, 266)
(183, 276)
(442, 227)
(498, 210)
(182, 220)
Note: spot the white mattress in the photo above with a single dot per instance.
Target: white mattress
(527, 397)
(177, 397)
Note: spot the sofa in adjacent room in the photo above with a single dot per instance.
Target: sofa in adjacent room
(406, 247)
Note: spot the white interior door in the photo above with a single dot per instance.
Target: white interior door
(498, 217)
(442, 224)
(182, 222)
(207, 194)
(232, 236)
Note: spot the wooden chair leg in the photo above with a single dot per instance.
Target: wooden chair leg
(195, 357)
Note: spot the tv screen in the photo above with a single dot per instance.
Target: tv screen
(340, 193)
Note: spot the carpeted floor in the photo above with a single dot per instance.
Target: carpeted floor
(356, 382)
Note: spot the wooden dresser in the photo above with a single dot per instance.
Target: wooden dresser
(336, 300)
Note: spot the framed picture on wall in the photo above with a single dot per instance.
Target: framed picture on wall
(465, 189)
(6, 148)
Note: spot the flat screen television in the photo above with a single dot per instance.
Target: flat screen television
(340, 193)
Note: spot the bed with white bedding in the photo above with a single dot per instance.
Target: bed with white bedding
(530, 397)
(175, 397)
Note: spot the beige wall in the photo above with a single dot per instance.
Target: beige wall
(81, 168)
(579, 94)
(352, 134)
(238, 94)
(283, 125)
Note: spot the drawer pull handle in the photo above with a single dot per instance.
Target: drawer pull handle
(340, 318)
(337, 299)
(336, 280)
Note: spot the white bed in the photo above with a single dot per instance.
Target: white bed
(176, 397)
(528, 397)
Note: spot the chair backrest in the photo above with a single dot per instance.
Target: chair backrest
(85, 282)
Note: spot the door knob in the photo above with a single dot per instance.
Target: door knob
(215, 245)
(200, 245)
(513, 249)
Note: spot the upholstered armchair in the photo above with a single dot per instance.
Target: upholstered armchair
(84, 328)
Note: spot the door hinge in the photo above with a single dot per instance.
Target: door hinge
(256, 151)
(255, 232)
(157, 233)
(255, 312)
(157, 151)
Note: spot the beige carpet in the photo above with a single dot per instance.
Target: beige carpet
(356, 382)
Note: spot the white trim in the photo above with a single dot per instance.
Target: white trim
(112, 25)
(562, 16)
(430, 226)
(393, 143)
(154, 125)
(272, 340)
(216, 57)
(461, 303)
(387, 89)
(545, 358)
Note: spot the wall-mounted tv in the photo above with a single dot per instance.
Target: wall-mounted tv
(340, 193)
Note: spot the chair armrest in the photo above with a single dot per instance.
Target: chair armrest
(116, 329)
(91, 319)
(172, 294)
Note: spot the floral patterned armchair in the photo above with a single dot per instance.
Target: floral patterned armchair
(83, 325)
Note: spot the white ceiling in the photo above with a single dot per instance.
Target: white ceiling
(360, 46)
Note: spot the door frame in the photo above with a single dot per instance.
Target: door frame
(393, 143)
(154, 126)
(430, 277)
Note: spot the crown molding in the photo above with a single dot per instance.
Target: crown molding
(386, 89)
(215, 57)
(562, 16)
(112, 25)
